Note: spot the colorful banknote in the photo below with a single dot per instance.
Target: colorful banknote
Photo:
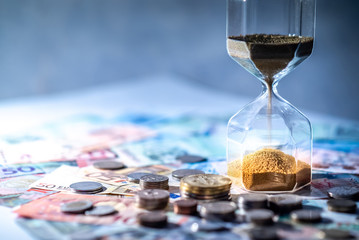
(119, 177)
(48, 208)
(17, 185)
(28, 196)
(62, 178)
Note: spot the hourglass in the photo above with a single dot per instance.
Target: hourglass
(269, 141)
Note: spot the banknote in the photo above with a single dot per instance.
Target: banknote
(165, 149)
(119, 177)
(85, 159)
(21, 169)
(48, 208)
(62, 178)
(28, 196)
(336, 161)
(17, 185)
(53, 230)
(65, 139)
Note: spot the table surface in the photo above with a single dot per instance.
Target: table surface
(167, 95)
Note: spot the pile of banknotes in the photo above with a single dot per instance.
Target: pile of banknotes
(154, 177)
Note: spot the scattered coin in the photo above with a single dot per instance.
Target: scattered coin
(344, 192)
(180, 173)
(206, 226)
(342, 205)
(109, 165)
(86, 186)
(221, 210)
(252, 201)
(154, 181)
(76, 206)
(185, 206)
(285, 203)
(335, 234)
(260, 217)
(191, 159)
(101, 210)
(263, 233)
(152, 199)
(152, 219)
(135, 177)
(306, 216)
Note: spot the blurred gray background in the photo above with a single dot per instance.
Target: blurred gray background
(52, 46)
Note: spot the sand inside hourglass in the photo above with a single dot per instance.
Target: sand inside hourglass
(269, 57)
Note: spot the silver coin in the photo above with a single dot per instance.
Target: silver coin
(222, 210)
(285, 203)
(101, 210)
(263, 233)
(87, 186)
(153, 194)
(260, 216)
(342, 205)
(135, 177)
(252, 201)
(191, 159)
(154, 219)
(76, 206)
(93, 192)
(335, 234)
(206, 226)
(344, 192)
(109, 165)
(306, 216)
(180, 173)
(153, 178)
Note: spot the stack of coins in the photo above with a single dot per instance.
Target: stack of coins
(153, 219)
(222, 210)
(185, 206)
(152, 199)
(154, 181)
(248, 201)
(206, 187)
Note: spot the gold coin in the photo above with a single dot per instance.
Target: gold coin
(204, 191)
(206, 181)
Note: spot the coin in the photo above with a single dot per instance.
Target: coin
(135, 176)
(306, 216)
(285, 203)
(180, 173)
(221, 210)
(344, 192)
(260, 216)
(206, 226)
(211, 181)
(335, 234)
(252, 201)
(86, 186)
(152, 199)
(76, 206)
(154, 181)
(101, 210)
(226, 195)
(342, 205)
(109, 165)
(263, 233)
(191, 159)
(152, 219)
(185, 206)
